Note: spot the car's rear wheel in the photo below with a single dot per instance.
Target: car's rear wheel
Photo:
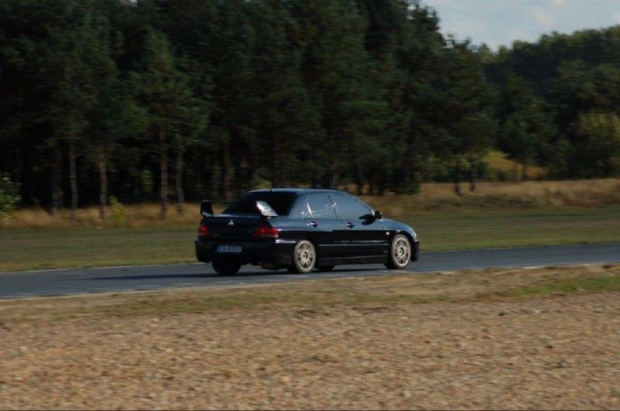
(304, 257)
(326, 268)
(400, 252)
(226, 267)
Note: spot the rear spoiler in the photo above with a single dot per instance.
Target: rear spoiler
(265, 210)
(206, 209)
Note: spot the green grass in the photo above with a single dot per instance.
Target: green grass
(36, 248)
(569, 286)
(440, 231)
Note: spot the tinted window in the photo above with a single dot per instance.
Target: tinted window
(348, 207)
(280, 202)
(320, 206)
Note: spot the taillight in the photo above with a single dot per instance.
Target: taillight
(266, 231)
(203, 231)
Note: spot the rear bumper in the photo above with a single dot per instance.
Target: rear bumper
(268, 252)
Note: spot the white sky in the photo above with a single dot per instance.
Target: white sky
(500, 22)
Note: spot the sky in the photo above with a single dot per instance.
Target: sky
(500, 22)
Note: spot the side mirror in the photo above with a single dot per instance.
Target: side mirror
(367, 217)
(378, 215)
(206, 209)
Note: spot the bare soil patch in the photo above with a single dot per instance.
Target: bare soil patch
(529, 339)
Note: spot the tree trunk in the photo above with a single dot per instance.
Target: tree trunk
(285, 168)
(56, 180)
(226, 173)
(210, 173)
(371, 182)
(404, 185)
(163, 165)
(525, 170)
(359, 182)
(103, 178)
(382, 187)
(473, 176)
(179, 176)
(334, 179)
(457, 176)
(276, 170)
(73, 180)
(515, 170)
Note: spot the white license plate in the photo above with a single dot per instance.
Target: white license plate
(233, 249)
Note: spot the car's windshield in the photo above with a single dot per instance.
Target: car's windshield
(280, 201)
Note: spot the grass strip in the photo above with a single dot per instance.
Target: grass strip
(376, 292)
(51, 248)
(569, 286)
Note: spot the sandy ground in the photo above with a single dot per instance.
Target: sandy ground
(553, 352)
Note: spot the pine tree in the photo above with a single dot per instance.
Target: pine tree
(524, 125)
(165, 96)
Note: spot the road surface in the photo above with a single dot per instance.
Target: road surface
(142, 278)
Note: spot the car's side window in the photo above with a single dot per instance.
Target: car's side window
(304, 209)
(347, 207)
(320, 206)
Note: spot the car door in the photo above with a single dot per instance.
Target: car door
(362, 238)
(321, 220)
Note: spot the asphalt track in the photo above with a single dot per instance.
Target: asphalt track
(143, 278)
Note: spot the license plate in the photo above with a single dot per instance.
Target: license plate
(233, 249)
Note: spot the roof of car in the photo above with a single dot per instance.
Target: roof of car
(297, 190)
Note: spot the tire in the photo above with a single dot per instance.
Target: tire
(226, 267)
(326, 268)
(304, 257)
(400, 252)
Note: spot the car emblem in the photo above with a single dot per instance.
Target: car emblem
(231, 222)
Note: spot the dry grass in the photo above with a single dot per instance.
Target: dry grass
(138, 215)
(432, 197)
(403, 288)
(499, 167)
(497, 196)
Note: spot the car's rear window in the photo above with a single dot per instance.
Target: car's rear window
(281, 202)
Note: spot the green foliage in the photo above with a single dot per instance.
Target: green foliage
(118, 212)
(598, 142)
(223, 96)
(563, 77)
(9, 197)
(524, 123)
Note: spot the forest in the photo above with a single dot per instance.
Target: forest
(175, 100)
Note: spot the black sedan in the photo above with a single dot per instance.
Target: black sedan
(301, 230)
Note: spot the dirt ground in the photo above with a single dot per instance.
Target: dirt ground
(558, 351)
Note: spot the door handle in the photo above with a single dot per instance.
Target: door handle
(312, 224)
(350, 225)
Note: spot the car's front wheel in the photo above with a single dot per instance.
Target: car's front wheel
(226, 267)
(304, 257)
(400, 252)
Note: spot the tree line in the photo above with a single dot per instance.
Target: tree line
(176, 99)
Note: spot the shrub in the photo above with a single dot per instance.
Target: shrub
(9, 197)
(118, 212)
